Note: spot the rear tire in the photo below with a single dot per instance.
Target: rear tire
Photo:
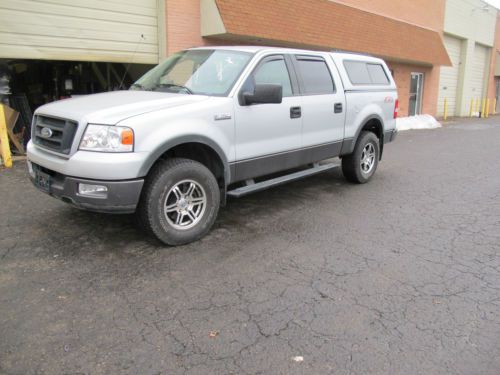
(180, 201)
(360, 166)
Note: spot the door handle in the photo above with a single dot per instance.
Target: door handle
(337, 108)
(295, 112)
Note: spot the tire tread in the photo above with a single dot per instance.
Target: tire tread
(350, 163)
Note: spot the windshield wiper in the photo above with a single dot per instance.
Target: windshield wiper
(168, 85)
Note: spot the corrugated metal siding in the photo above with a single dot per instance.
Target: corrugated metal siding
(81, 30)
(449, 76)
(479, 70)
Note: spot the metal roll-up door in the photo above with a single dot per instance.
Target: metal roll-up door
(80, 30)
(479, 70)
(449, 77)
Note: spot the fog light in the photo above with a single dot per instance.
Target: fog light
(95, 191)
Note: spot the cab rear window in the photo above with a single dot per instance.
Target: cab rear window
(365, 73)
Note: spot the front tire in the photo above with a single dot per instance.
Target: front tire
(360, 166)
(180, 201)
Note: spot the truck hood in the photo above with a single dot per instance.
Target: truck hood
(112, 107)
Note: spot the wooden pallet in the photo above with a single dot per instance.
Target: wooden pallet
(11, 117)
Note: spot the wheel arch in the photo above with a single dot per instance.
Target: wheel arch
(198, 148)
(373, 123)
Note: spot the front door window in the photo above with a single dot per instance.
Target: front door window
(416, 86)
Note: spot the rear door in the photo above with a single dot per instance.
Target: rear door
(323, 105)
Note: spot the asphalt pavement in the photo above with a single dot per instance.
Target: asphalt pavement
(320, 276)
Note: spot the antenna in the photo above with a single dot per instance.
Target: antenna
(131, 60)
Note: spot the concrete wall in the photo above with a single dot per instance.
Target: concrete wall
(470, 19)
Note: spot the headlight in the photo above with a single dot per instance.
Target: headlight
(106, 138)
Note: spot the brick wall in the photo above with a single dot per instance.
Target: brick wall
(425, 13)
(402, 76)
(183, 25)
(496, 48)
(183, 31)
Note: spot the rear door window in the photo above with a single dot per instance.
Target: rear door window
(315, 76)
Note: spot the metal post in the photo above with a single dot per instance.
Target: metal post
(4, 140)
(494, 109)
(471, 110)
(487, 107)
(483, 108)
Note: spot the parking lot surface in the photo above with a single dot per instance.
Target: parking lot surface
(398, 276)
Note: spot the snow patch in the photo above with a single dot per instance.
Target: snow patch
(417, 122)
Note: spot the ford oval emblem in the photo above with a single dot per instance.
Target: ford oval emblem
(46, 132)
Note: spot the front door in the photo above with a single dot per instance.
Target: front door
(266, 133)
(416, 87)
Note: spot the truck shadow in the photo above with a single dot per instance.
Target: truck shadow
(81, 231)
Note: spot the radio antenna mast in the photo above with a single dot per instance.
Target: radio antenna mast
(132, 60)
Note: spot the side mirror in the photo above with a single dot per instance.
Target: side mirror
(264, 94)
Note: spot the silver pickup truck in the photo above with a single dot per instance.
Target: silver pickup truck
(208, 123)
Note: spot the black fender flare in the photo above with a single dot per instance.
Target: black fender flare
(348, 145)
(171, 143)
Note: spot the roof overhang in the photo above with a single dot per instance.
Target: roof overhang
(321, 24)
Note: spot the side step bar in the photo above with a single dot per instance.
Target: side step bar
(252, 187)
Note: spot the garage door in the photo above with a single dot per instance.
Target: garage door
(449, 76)
(479, 70)
(80, 30)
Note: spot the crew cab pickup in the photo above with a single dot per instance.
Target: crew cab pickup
(208, 123)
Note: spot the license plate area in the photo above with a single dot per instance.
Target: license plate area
(42, 180)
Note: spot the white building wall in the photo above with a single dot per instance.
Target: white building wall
(472, 21)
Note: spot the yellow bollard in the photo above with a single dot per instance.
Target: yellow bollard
(477, 106)
(445, 109)
(483, 108)
(487, 107)
(4, 140)
(494, 109)
(471, 110)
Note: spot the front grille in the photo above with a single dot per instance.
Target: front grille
(54, 134)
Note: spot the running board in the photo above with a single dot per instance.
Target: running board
(259, 186)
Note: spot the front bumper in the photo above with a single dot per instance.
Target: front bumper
(121, 196)
(91, 165)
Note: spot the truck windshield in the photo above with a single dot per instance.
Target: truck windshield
(203, 72)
